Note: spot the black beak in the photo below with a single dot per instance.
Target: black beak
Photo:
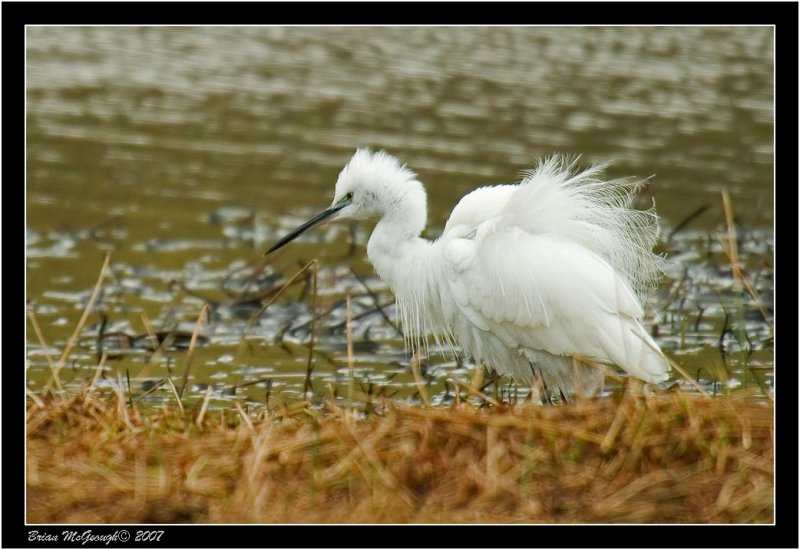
(313, 222)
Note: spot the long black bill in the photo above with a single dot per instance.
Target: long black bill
(313, 222)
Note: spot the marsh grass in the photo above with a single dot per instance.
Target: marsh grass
(639, 458)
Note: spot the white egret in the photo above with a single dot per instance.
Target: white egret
(542, 280)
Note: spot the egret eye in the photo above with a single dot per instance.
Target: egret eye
(349, 197)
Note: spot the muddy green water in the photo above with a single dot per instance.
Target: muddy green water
(185, 151)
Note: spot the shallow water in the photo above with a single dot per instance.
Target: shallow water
(184, 152)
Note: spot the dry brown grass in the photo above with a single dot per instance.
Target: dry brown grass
(640, 458)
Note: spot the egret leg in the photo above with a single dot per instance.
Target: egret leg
(490, 377)
(546, 397)
(541, 385)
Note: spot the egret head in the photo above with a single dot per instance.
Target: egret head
(371, 185)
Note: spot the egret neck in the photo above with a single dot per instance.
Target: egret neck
(407, 262)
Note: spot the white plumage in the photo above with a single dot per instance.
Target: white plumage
(539, 280)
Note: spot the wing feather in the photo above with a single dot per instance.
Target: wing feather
(546, 293)
(559, 264)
